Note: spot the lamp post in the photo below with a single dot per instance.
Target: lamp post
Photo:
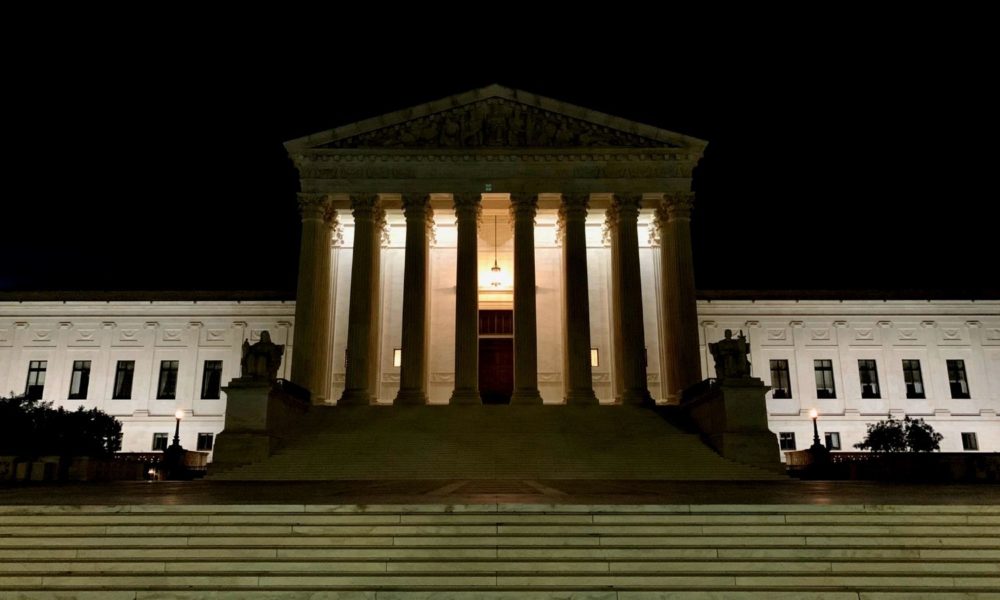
(173, 457)
(818, 453)
(177, 428)
(813, 414)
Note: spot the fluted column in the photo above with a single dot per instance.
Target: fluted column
(312, 298)
(611, 233)
(357, 381)
(680, 330)
(467, 301)
(412, 385)
(379, 236)
(630, 301)
(576, 296)
(523, 208)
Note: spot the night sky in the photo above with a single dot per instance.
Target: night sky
(855, 161)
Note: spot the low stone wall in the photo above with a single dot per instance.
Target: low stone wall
(966, 467)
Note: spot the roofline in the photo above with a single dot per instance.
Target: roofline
(308, 142)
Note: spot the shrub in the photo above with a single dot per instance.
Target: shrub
(893, 435)
(31, 428)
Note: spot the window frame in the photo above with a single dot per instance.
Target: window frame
(786, 374)
(120, 375)
(82, 385)
(159, 435)
(908, 373)
(829, 437)
(957, 375)
(967, 437)
(216, 380)
(162, 393)
(868, 368)
(200, 447)
(38, 368)
(784, 437)
(825, 368)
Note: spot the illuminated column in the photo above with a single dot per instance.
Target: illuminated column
(630, 301)
(580, 388)
(523, 208)
(379, 235)
(412, 385)
(357, 381)
(611, 233)
(467, 302)
(680, 326)
(312, 298)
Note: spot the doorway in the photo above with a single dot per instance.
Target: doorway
(496, 356)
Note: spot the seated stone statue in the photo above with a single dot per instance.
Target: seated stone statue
(261, 360)
(731, 357)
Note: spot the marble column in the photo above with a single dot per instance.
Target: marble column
(379, 238)
(635, 389)
(611, 233)
(680, 324)
(412, 383)
(357, 381)
(312, 298)
(523, 208)
(576, 297)
(467, 301)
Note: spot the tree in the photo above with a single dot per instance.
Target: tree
(32, 428)
(893, 435)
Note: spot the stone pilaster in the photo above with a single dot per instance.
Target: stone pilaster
(630, 301)
(357, 380)
(467, 208)
(680, 323)
(523, 208)
(576, 292)
(412, 382)
(312, 299)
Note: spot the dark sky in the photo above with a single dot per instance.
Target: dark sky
(855, 160)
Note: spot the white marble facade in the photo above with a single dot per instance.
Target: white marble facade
(800, 332)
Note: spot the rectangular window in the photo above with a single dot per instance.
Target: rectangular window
(781, 386)
(397, 357)
(869, 379)
(159, 441)
(913, 378)
(80, 380)
(211, 380)
(969, 441)
(595, 357)
(205, 441)
(824, 378)
(123, 380)
(786, 439)
(956, 378)
(167, 388)
(35, 385)
(832, 440)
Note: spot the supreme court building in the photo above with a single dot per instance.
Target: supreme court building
(501, 247)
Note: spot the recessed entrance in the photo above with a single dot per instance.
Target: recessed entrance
(496, 356)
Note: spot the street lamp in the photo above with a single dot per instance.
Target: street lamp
(177, 428)
(813, 414)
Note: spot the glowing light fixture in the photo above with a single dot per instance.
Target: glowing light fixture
(496, 267)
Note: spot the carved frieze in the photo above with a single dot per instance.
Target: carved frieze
(496, 123)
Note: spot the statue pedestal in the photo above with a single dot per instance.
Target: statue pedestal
(260, 414)
(732, 417)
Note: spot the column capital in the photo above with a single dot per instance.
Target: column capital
(365, 206)
(627, 205)
(314, 207)
(416, 205)
(523, 206)
(574, 206)
(467, 200)
(678, 205)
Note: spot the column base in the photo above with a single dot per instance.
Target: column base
(530, 396)
(410, 398)
(465, 397)
(582, 397)
(639, 397)
(355, 398)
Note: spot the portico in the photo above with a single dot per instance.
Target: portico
(404, 215)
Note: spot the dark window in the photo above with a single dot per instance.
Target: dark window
(123, 380)
(869, 379)
(211, 380)
(969, 441)
(167, 388)
(832, 440)
(205, 441)
(159, 441)
(956, 378)
(80, 380)
(786, 439)
(913, 378)
(824, 379)
(780, 380)
(36, 379)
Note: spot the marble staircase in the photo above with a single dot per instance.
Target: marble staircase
(493, 442)
(499, 551)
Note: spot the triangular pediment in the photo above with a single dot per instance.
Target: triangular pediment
(495, 117)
